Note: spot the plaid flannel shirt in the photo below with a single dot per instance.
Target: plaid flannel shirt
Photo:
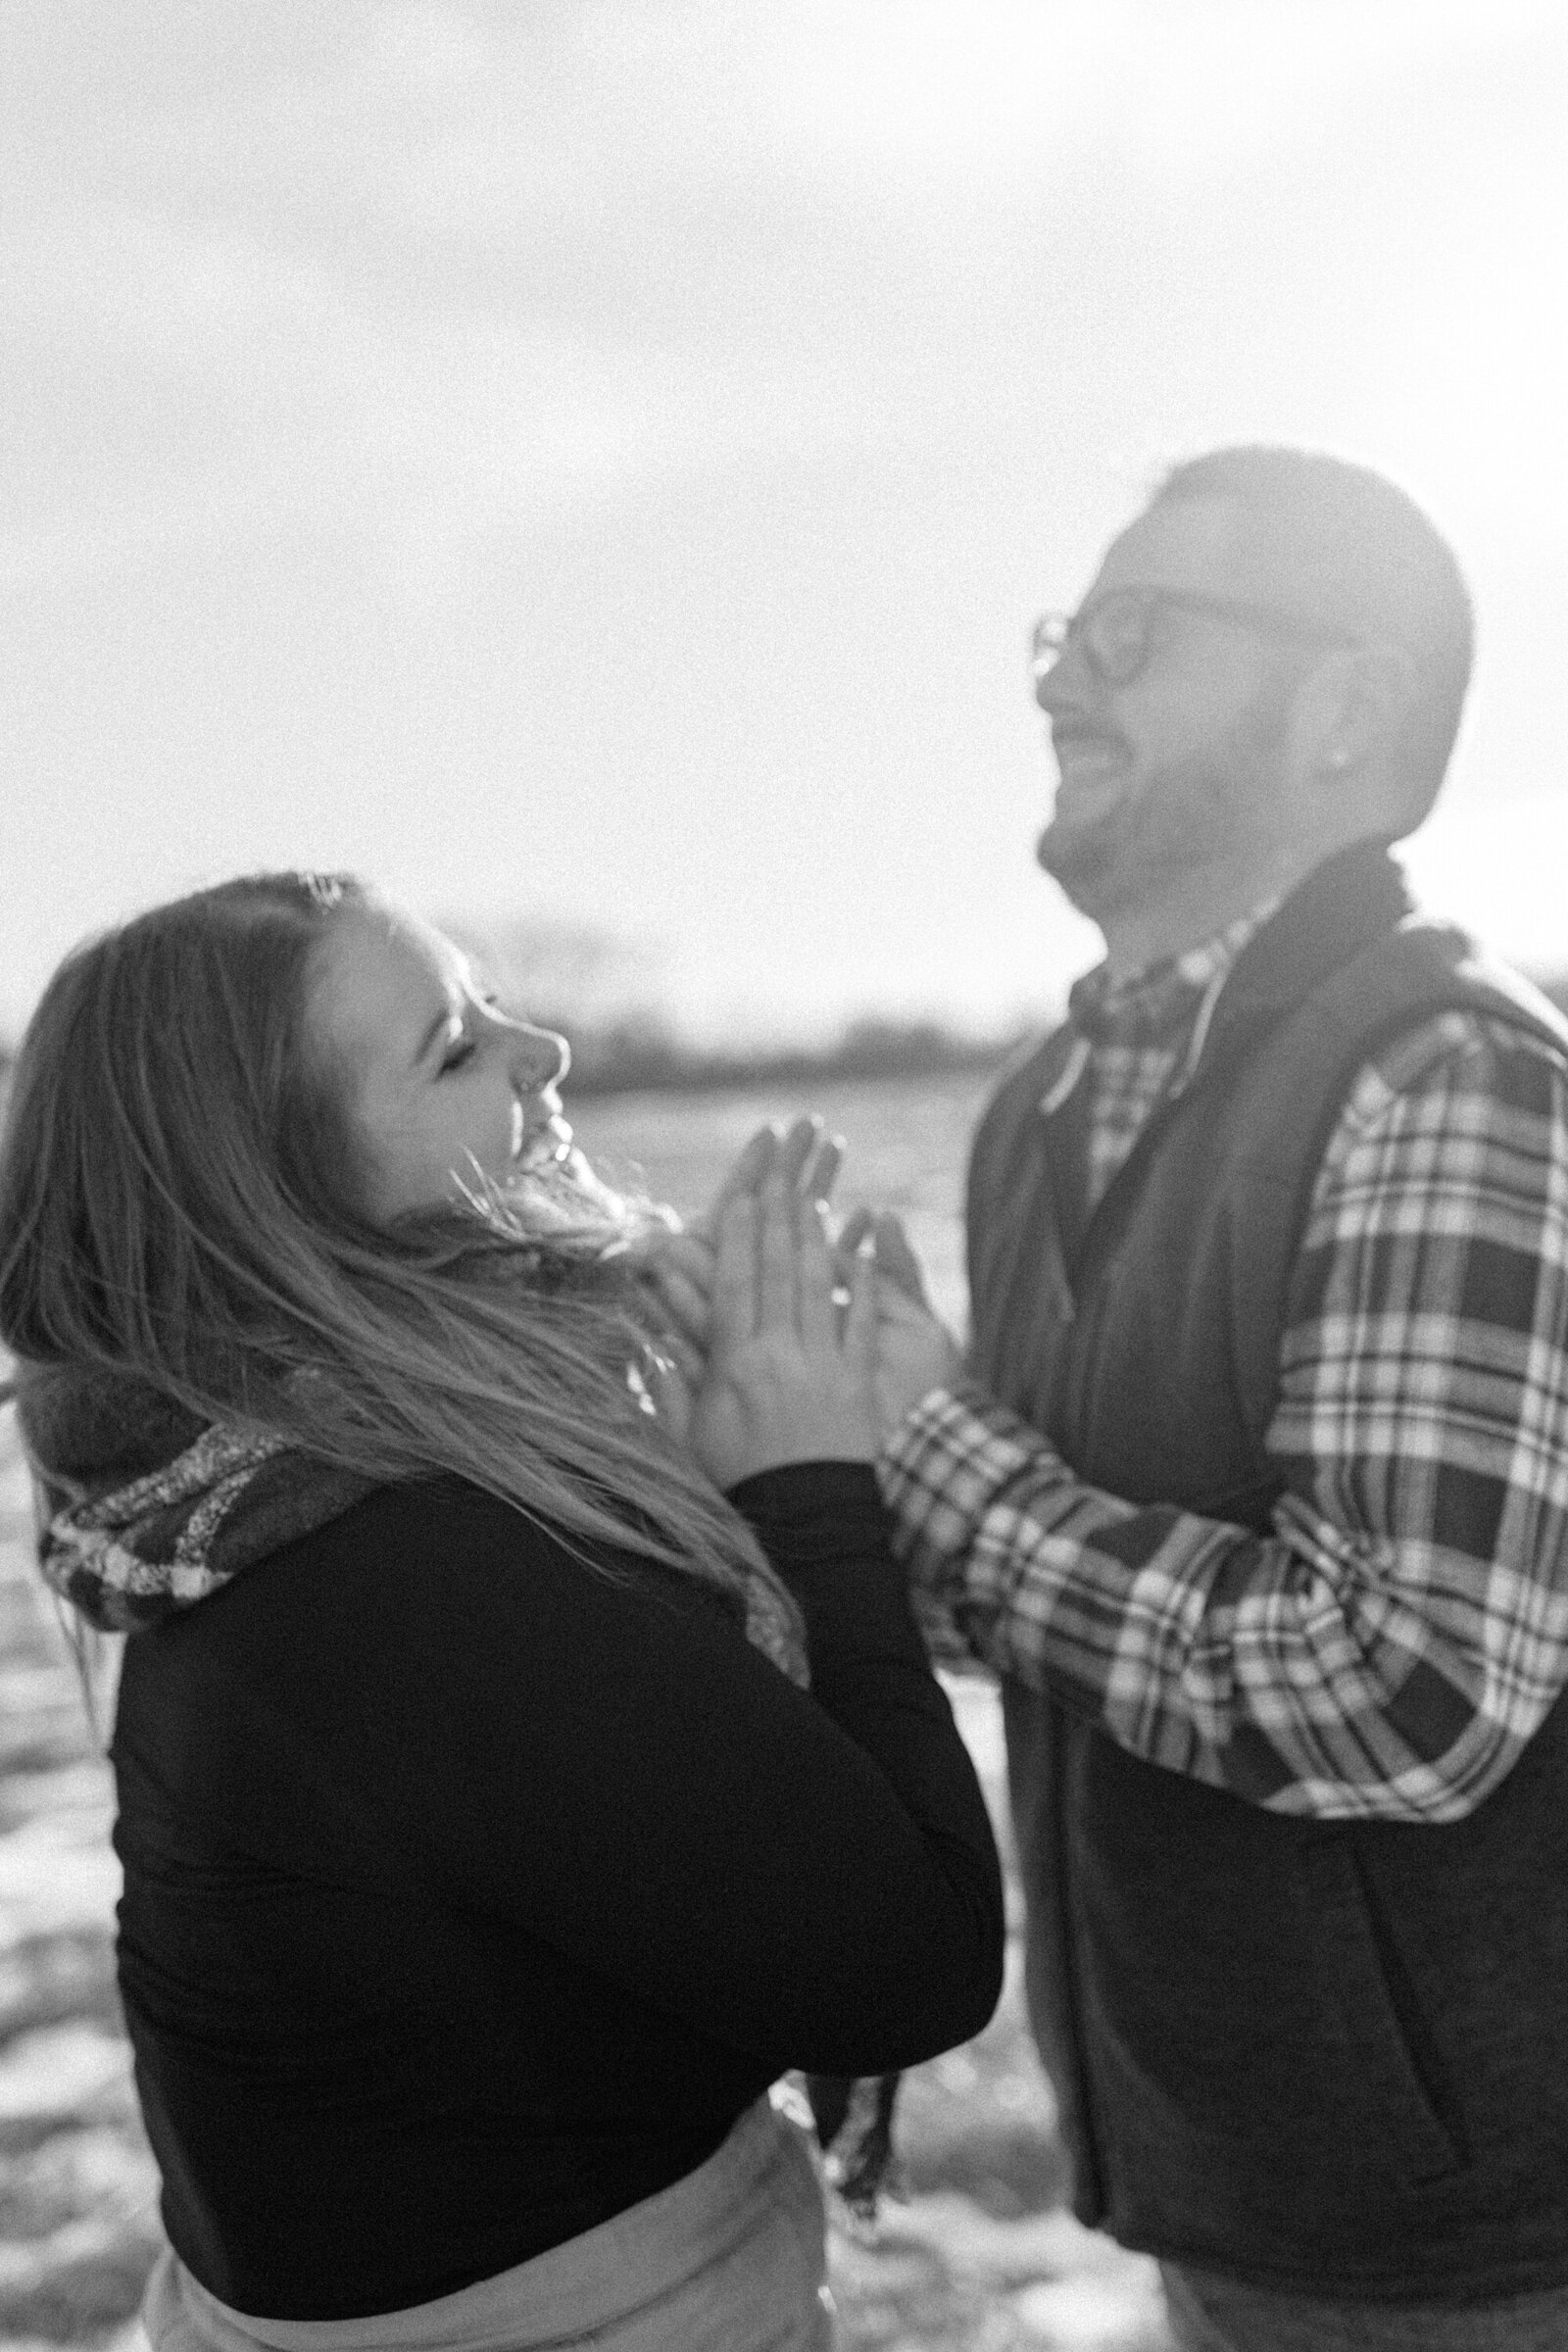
(1388, 1650)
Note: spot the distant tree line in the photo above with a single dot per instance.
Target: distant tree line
(640, 1053)
(605, 993)
(635, 1051)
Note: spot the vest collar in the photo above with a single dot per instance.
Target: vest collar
(1339, 908)
(1345, 903)
(1353, 898)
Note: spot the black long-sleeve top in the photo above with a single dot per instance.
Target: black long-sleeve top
(472, 1892)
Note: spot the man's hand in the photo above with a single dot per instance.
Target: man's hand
(915, 1353)
(676, 1272)
(665, 1390)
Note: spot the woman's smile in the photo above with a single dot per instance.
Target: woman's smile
(540, 1143)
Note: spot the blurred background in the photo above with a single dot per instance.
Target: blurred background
(591, 465)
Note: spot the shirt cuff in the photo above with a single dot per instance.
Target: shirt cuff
(939, 1473)
(941, 1465)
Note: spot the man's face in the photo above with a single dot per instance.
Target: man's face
(1186, 766)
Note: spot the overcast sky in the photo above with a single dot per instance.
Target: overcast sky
(601, 457)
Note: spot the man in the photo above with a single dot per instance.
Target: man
(1255, 1499)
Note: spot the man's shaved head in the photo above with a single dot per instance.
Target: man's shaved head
(1346, 547)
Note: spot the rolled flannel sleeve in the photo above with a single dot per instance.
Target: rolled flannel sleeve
(1386, 1649)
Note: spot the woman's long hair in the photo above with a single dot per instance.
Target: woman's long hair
(180, 1203)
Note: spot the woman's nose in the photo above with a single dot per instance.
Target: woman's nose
(541, 1057)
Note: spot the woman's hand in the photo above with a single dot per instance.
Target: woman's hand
(677, 1262)
(790, 1371)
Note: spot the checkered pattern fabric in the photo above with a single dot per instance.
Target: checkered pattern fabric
(1388, 1650)
(1144, 1038)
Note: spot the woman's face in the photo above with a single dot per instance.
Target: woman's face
(446, 1089)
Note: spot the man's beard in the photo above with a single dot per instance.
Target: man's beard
(1085, 856)
(1184, 814)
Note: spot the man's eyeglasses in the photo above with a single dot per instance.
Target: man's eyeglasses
(1116, 632)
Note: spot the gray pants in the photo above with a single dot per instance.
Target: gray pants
(730, 2259)
(1212, 2314)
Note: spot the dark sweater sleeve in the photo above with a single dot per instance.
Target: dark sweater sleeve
(596, 1754)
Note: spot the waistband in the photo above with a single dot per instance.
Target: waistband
(680, 2267)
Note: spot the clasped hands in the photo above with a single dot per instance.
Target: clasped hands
(783, 1341)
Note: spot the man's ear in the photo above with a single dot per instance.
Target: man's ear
(1356, 699)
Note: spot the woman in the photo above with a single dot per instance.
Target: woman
(486, 1854)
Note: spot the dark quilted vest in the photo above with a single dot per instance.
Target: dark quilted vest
(1323, 2056)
